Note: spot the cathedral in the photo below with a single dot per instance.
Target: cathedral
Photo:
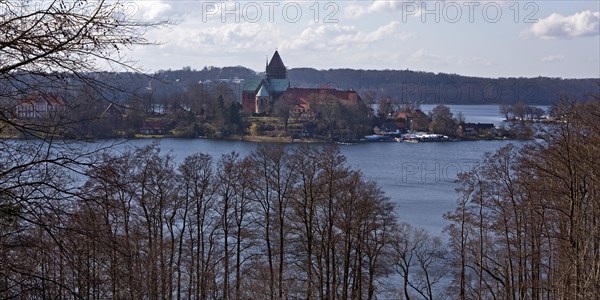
(259, 96)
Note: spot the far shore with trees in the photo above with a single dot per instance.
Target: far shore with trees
(199, 112)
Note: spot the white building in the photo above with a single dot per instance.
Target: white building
(40, 106)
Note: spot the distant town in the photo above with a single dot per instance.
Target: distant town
(269, 107)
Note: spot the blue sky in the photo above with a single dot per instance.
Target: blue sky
(476, 38)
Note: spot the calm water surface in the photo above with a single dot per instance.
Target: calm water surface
(420, 178)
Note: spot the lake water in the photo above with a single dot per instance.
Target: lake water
(419, 178)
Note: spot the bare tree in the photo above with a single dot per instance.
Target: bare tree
(420, 260)
(197, 226)
(332, 164)
(519, 110)
(506, 111)
(306, 199)
(274, 180)
(245, 226)
(226, 178)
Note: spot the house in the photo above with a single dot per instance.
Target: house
(300, 100)
(415, 120)
(37, 106)
(152, 127)
(301, 111)
(476, 129)
(113, 112)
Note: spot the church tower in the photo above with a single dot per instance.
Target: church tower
(259, 95)
(262, 101)
(276, 69)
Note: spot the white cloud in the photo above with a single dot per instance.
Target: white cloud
(411, 7)
(149, 10)
(194, 39)
(178, 10)
(363, 39)
(552, 58)
(427, 58)
(423, 56)
(581, 24)
(472, 61)
(315, 36)
(378, 6)
(335, 37)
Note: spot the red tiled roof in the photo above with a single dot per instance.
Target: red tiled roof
(417, 113)
(54, 100)
(403, 115)
(300, 95)
(152, 125)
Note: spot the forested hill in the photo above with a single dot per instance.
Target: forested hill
(429, 87)
(399, 85)
(406, 85)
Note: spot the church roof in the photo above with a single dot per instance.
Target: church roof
(272, 85)
(279, 85)
(276, 61)
(262, 92)
(251, 84)
(276, 68)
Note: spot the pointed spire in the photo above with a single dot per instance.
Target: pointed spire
(276, 69)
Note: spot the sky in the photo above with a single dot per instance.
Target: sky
(472, 38)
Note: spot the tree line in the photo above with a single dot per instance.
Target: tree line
(521, 112)
(405, 85)
(279, 223)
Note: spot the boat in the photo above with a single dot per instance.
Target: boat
(378, 138)
(405, 140)
(422, 137)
